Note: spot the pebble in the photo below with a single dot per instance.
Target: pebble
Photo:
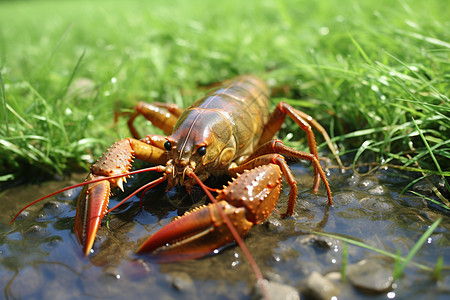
(181, 281)
(35, 231)
(377, 203)
(366, 183)
(346, 198)
(443, 285)
(378, 190)
(321, 242)
(352, 180)
(112, 271)
(136, 269)
(319, 287)
(71, 194)
(274, 225)
(23, 215)
(370, 276)
(334, 276)
(55, 207)
(275, 291)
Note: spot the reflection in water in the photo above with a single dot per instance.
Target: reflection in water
(41, 259)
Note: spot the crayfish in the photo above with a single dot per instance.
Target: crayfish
(229, 131)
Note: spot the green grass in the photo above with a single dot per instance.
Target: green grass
(374, 73)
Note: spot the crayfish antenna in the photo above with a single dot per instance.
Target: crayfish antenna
(50, 195)
(157, 168)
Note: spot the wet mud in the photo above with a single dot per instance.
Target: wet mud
(40, 257)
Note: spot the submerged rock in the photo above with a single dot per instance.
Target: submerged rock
(375, 203)
(35, 231)
(320, 242)
(181, 281)
(443, 285)
(319, 287)
(370, 276)
(378, 190)
(275, 290)
(367, 183)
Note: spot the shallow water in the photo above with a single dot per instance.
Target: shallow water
(41, 259)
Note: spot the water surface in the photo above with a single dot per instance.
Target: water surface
(40, 257)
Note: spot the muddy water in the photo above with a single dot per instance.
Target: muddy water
(41, 259)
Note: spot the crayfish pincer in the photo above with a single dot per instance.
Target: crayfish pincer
(249, 199)
(229, 131)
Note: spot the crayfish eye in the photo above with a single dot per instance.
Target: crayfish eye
(168, 146)
(201, 151)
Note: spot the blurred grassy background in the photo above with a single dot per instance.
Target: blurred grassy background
(374, 73)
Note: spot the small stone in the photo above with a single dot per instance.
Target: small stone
(366, 183)
(323, 242)
(71, 194)
(274, 225)
(345, 198)
(370, 276)
(23, 215)
(274, 277)
(377, 203)
(334, 276)
(112, 271)
(274, 290)
(320, 242)
(181, 281)
(319, 287)
(352, 180)
(443, 285)
(136, 269)
(35, 231)
(378, 190)
(54, 207)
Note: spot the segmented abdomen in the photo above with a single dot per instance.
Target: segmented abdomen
(244, 102)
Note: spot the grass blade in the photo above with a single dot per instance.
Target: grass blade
(399, 271)
(5, 114)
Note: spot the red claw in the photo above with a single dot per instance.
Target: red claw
(91, 208)
(93, 201)
(196, 234)
(248, 200)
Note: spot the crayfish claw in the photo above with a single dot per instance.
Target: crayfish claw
(94, 198)
(196, 234)
(91, 208)
(246, 201)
